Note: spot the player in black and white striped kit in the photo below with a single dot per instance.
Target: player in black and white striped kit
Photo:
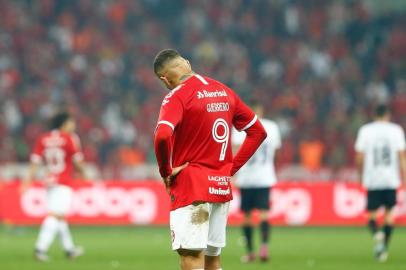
(380, 148)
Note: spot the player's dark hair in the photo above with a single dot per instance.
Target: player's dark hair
(164, 57)
(381, 110)
(58, 120)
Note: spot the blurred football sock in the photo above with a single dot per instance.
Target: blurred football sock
(247, 230)
(387, 230)
(265, 228)
(373, 227)
(48, 230)
(66, 237)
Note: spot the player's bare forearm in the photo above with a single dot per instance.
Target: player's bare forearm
(32, 172)
(80, 168)
(359, 160)
(27, 180)
(256, 134)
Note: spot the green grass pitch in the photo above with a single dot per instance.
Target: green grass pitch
(148, 248)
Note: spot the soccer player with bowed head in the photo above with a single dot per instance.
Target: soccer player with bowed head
(59, 152)
(381, 157)
(193, 150)
(255, 180)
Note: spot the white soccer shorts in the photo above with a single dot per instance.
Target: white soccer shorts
(59, 199)
(195, 227)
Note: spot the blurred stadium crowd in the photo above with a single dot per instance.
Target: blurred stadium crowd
(319, 67)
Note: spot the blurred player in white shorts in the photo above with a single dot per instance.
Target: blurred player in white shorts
(59, 152)
(381, 157)
(59, 199)
(255, 181)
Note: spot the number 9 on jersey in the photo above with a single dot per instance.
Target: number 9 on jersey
(223, 139)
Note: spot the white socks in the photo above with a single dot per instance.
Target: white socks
(49, 228)
(66, 238)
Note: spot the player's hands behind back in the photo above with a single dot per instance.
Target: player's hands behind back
(175, 171)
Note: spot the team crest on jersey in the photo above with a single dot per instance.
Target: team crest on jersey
(214, 94)
(168, 96)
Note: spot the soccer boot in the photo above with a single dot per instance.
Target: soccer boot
(41, 256)
(383, 256)
(264, 253)
(74, 253)
(248, 258)
(379, 246)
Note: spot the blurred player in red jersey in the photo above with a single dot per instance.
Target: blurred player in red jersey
(60, 152)
(193, 150)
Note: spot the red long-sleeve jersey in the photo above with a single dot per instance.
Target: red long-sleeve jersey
(194, 126)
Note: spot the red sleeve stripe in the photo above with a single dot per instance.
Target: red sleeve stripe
(166, 123)
(250, 123)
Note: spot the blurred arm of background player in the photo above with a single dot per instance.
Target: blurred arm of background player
(402, 165)
(235, 148)
(359, 160)
(27, 180)
(80, 169)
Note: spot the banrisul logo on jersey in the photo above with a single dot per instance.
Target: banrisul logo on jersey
(200, 95)
(213, 94)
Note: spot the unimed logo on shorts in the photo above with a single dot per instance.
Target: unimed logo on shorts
(138, 204)
(219, 191)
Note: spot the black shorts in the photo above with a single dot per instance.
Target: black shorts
(254, 198)
(382, 197)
